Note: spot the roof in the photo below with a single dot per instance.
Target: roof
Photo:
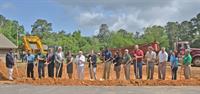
(5, 43)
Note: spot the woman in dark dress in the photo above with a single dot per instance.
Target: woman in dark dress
(69, 58)
(50, 61)
(117, 63)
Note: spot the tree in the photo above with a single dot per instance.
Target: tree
(11, 28)
(137, 34)
(121, 39)
(40, 26)
(173, 31)
(186, 33)
(195, 31)
(155, 33)
(104, 34)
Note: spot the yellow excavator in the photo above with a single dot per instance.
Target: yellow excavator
(34, 44)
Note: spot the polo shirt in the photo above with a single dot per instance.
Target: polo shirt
(137, 53)
(127, 57)
(187, 59)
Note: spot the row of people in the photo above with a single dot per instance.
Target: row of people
(135, 57)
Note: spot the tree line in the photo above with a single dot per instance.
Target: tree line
(166, 35)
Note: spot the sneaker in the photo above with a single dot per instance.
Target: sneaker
(101, 79)
(91, 79)
(33, 78)
(11, 79)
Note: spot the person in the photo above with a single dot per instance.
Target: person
(107, 56)
(187, 59)
(101, 54)
(117, 63)
(23, 56)
(59, 59)
(138, 57)
(30, 58)
(150, 59)
(80, 60)
(50, 62)
(41, 60)
(69, 64)
(10, 62)
(169, 55)
(163, 57)
(127, 64)
(92, 59)
(174, 65)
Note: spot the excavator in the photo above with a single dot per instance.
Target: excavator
(34, 44)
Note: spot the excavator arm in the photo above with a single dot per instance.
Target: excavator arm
(33, 40)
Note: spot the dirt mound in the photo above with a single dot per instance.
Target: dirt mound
(3, 71)
(20, 78)
(68, 82)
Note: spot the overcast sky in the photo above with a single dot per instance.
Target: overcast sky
(88, 15)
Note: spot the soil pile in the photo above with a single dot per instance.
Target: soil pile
(20, 77)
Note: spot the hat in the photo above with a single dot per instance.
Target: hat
(126, 50)
(59, 47)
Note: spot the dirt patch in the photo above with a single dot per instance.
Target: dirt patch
(20, 78)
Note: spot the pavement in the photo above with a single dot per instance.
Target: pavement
(42, 89)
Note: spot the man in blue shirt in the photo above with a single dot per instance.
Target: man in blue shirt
(41, 60)
(107, 58)
(30, 64)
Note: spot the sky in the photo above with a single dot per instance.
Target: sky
(88, 15)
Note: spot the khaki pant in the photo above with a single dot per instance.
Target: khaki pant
(150, 70)
(10, 72)
(187, 71)
(106, 71)
(80, 73)
(117, 70)
(70, 75)
(127, 71)
(162, 70)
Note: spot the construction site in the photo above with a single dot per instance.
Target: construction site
(34, 44)
(99, 46)
(20, 78)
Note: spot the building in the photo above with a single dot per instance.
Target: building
(5, 45)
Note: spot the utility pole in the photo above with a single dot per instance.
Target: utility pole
(17, 37)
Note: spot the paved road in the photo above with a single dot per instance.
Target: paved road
(29, 89)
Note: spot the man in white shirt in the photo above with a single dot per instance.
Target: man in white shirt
(163, 57)
(80, 60)
(151, 59)
(59, 58)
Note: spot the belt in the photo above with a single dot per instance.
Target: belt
(30, 61)
(150, 62)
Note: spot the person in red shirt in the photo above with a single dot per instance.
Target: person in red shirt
(137, 55)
